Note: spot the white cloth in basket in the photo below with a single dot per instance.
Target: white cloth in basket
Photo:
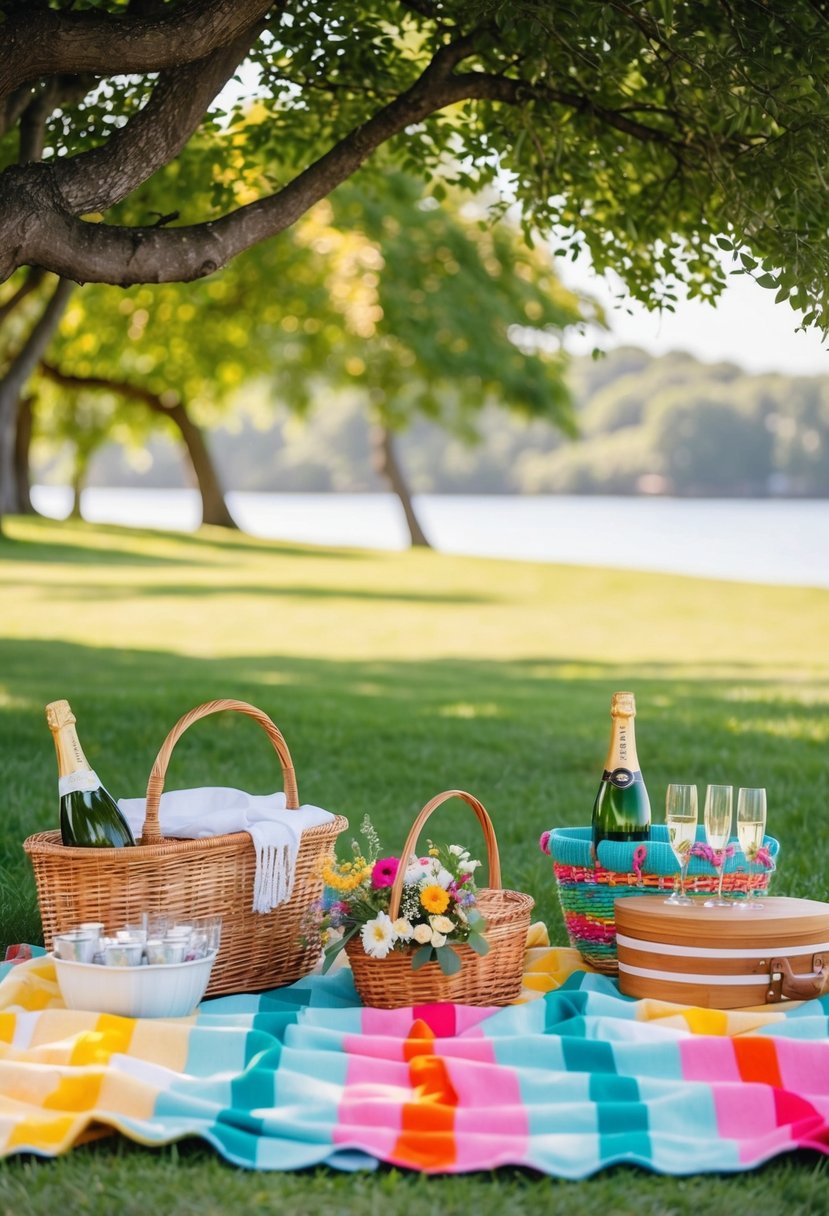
(215, 810)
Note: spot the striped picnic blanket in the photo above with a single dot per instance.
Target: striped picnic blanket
(572, 1079)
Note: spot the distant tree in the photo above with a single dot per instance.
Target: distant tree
(656, 135)
(708, 445)
(450, 315)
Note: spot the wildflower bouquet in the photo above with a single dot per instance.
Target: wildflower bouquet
(437, 906)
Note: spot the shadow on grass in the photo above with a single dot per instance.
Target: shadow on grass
(88, 589)
(125, 540)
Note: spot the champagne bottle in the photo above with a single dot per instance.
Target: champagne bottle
(89, 815)
(622, 810)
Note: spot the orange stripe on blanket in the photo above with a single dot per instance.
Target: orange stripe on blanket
(757, 1060)
(427, 1138)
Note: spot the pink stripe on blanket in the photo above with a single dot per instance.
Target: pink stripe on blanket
(708, 1059)
(444, 1021)
(804, 1066)
(747, 1113)
(489, 1105)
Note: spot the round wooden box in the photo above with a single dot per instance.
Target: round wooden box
(722, 958)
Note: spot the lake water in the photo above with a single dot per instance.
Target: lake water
(747, 540)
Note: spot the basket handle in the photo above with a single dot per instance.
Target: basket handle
(152, 832)
(492, 858)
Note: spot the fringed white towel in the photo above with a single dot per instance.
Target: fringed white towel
(215, 810)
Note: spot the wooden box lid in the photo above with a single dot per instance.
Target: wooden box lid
(781, 921)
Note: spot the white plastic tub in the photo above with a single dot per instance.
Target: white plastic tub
(168, 990)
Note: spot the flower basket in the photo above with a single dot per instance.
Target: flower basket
(494, 978)
(183, 879)
(588, 888)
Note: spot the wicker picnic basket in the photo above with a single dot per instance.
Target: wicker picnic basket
(494, 978)
(588, 888)
(187, 879)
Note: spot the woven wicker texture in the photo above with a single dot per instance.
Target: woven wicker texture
(490, 979)
(587, 891)
(185, 879)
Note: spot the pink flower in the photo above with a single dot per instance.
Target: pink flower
(384, 872)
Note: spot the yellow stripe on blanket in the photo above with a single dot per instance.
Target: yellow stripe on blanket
(32, 986)
(48, 1132)
(728, 1023)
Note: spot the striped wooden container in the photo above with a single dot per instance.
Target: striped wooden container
(723, 958)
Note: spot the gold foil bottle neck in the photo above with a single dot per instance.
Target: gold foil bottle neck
(623, 705)
(58, 715)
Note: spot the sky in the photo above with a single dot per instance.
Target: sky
(745, 327)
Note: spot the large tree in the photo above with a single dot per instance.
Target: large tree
(656, 134)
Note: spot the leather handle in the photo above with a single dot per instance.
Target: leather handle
(796, 987)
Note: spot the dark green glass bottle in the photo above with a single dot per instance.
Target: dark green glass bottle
(622, 810)
(89, 816)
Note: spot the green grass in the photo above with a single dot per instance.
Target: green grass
(394, 676)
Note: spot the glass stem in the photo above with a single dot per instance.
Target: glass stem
(721, 871)
(683, 878)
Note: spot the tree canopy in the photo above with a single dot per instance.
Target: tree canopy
(657, 134)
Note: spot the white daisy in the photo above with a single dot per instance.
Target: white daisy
(378, 935)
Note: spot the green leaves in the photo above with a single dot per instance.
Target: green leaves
(422, 956)
(446, 957)
(448, 960)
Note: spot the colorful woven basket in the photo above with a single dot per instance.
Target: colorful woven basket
(587, 889)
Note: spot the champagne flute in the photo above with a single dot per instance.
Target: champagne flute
(751, 829)
(717, 819)
(681, 815)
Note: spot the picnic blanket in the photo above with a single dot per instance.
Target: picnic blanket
(572, 1079)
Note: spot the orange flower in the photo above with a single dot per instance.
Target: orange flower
(434, 899)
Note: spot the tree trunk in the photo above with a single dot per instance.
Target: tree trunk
(22, 446)
(13, 383)
(387, 464)
(78, 482)
(215, 510)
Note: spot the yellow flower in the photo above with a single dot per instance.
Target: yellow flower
(434, 899)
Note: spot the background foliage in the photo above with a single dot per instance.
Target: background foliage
(670, 424)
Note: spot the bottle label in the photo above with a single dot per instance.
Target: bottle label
(622, 778)
(81, 779)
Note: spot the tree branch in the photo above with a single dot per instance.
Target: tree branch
(481, 86)
(36, 343)
(96, 180)
(123, 388)
(38, 41)
(43, 232)
(12, 107)
(31, 282)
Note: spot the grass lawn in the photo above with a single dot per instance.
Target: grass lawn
(394, 676)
